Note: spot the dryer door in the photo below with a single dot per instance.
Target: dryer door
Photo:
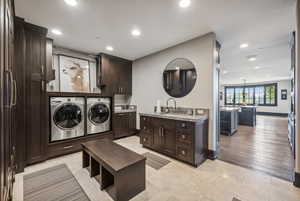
(67, 116)
(98, 113)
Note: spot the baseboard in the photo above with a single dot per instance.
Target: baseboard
(297, 180)
(273, 114)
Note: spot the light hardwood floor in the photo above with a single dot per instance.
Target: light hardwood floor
(264, 147)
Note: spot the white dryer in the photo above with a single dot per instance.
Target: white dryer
(98, 115)
(67, 117)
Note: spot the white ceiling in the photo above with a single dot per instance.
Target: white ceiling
(94, 24)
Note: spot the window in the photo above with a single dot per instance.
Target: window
(263, 95)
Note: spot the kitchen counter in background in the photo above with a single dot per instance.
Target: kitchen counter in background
(180, 117)
(124, 108)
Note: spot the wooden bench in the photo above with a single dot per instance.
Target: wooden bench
(119, 171)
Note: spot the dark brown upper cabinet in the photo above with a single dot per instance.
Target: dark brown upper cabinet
(114, 75)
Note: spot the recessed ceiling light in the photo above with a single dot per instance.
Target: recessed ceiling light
(56, 32)
(136, 32)
(257, 67)
(244, 45)
(184, 3)
(71, 2)
(177, 68)
(252, 58)
(225, 72)
(109, 48)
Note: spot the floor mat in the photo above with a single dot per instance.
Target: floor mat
(53, 184)
(155, 161)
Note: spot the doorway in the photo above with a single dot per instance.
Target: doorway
(257, 108)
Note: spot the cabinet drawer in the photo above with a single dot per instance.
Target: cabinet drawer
(146, 139)
(62, 149)
(145, 123)
(184, 153)
(184, 137)
(185, 126)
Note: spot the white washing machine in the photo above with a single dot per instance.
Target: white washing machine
(98, 115)
(67, 117)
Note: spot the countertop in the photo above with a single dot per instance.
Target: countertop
(180, 117)
(229, 109)
(124, 111)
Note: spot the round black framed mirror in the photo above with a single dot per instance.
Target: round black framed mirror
(179, 77)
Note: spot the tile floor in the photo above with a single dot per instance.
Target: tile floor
(212, 181)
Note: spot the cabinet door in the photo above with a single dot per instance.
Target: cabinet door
(169, 137)
(35, 93)
(125, 77)
(7, 100)
(108, 76)
(158, 140)
(121, 125)
(132, 123)
(115, 75)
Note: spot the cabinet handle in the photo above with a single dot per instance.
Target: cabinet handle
(68, 147)
(144, 139)
(183, 125)
(183, 152)
(183, 137)
(15, 93)
(11, 101)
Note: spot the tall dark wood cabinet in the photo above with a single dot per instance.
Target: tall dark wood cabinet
(20, 124)
(7, 99)
(35, 93)
(31, 103)
(114, 75)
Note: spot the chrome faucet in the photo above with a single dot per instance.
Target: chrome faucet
(173, 101)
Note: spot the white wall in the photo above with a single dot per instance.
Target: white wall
(148, 71)
(282, 105)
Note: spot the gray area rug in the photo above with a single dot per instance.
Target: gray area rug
(155, 161)
(53, 184)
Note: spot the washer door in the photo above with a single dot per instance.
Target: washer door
(67, 116)
(98, 113)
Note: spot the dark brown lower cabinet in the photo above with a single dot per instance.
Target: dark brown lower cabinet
(163, 134)
(183, 140)
(124, 124)
(71, 146)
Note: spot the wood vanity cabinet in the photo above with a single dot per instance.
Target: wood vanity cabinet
(114, 75)
(124, 124)
(183, 140)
